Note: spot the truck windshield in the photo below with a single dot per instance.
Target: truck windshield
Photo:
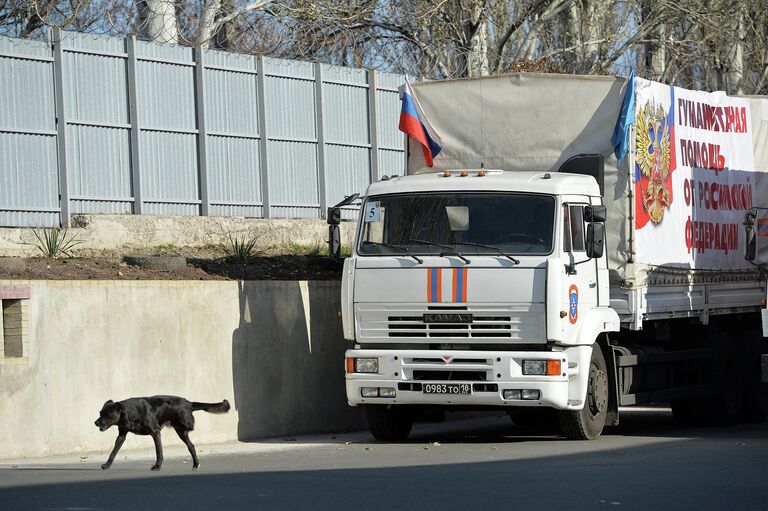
(466, 223)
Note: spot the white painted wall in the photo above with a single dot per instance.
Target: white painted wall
(139, 232)
(273, 349)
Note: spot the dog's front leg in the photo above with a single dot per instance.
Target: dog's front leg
(158, 450)
(118, 444)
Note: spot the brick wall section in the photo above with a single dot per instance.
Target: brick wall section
(13, 328)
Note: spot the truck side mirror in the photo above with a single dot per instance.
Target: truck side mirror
(751, 248)
(334, 242)
(595, 240)
(334, 219)
(595, 213)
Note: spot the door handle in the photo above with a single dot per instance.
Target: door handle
(592, 285)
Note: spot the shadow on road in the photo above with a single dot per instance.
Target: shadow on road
(719, 470)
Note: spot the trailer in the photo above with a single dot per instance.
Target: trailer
(561, 246)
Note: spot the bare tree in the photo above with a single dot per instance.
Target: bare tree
(708, 44)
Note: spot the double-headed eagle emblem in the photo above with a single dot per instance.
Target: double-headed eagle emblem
(652, 147)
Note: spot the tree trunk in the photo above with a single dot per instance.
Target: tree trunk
(735, 74)
(158, 21)
(213, 32)
(591, 33)
(478, 54)
(654, 52)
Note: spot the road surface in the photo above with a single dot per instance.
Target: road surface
(646, 463)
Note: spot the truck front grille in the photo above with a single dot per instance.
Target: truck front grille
(414, 323)
(481, 326)
(449, 375)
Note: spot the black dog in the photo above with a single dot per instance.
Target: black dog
(147, 416)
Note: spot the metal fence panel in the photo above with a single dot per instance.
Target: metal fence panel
(348, 171)
(230, 102)
(292, 144)
(28, 160)
(165, 129)
(346, 114)
(391, 162)
(28, 183)
(166, 96)
(95, 88)
(388, 103)
(169, 165)
(233, 170)
(98, 124)
(26, 90)
(293, 179)
(290, 108)
(233, 145)
(99, 161)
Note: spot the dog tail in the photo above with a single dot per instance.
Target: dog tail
(222, 407)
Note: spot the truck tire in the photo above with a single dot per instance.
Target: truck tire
(388, 423)
(588, 423)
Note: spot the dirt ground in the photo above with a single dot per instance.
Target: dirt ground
(200, 265)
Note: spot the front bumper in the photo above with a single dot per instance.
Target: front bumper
(488, 373)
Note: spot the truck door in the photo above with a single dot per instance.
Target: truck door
(581, 282)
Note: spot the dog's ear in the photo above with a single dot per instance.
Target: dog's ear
(118, 406)
(109, 402)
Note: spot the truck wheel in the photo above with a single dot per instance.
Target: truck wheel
(388, 423)
(588, 423)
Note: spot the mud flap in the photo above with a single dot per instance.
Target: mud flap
(764, 377)
(764, 321)
(612, 417)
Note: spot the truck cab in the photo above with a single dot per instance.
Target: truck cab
(479, 289)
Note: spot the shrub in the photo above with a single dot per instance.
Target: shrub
(55, 242)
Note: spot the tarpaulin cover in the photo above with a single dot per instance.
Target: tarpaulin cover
(675, 202)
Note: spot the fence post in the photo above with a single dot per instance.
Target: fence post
(133, 105)
(61, 127)
(263, 146)
(202, 133)
(319, 131)
(373, 125)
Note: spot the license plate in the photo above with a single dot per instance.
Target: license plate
(447, 388)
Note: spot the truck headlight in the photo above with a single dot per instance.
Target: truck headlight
(541, 367)
(363, 365)
(535, 367)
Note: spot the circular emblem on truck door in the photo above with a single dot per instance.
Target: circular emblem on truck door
(573, 304)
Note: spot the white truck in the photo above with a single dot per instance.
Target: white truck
(567, 283)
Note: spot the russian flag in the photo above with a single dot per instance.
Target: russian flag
(414, 123)
(762, 227)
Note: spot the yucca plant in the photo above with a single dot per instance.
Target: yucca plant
(55, 243)
(242, 250)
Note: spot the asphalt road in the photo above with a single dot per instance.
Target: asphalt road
(647, 463)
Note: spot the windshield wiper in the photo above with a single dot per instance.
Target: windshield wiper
(501, 252)
(442, 254)
(395, 247)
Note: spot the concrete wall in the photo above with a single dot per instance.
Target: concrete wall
(140, 232)
(274, 349)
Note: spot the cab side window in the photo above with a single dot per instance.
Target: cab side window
(573, 228)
